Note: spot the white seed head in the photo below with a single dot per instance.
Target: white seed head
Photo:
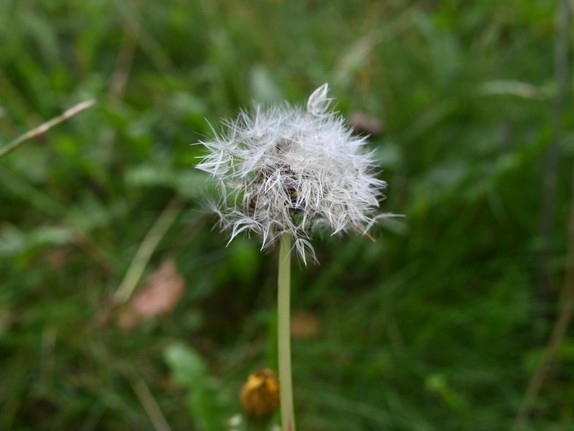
(288, 170)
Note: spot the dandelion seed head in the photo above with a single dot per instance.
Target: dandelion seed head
(290, 170)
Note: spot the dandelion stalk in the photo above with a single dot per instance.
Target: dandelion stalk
(284, 334)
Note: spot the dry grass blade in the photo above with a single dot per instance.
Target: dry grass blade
(43, 128)
(150, 405)
(558, 331)
(145, 251)
(548, 212)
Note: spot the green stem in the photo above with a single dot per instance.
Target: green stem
(284, 335)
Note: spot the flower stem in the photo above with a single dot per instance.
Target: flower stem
(284, 334)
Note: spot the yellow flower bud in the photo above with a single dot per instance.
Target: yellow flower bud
(260, 395)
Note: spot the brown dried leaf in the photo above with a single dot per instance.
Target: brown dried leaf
(161, 293)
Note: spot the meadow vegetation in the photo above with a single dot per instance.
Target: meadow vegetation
(438, 325)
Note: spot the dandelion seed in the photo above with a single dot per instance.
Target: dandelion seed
(290, 170)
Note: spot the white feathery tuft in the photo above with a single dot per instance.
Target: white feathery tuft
(318, 103)
(286, 170)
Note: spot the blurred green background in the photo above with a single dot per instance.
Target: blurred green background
(439, 325)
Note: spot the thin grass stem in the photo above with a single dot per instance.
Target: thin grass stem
(43, 128)
(145, 251)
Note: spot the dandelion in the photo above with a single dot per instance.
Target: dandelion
(288, 170)
(284, 172)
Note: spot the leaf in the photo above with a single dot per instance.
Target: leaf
(160, 295)
(205, 398)
(187, 366)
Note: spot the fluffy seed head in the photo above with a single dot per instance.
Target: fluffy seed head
(287, 170)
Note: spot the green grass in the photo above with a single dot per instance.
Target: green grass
(433, 327)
